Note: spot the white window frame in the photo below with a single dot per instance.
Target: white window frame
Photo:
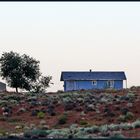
(111, 83)
(94, 82)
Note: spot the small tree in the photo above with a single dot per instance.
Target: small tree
(21, 71)
(41, 84)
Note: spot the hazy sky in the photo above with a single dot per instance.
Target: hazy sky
(74, 36)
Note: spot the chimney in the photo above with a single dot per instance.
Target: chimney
(90, 70)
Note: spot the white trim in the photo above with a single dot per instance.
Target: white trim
(111, 83)
(94, 82)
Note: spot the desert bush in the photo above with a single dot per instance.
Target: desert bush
(124, 111)
(12, 101)
(2, 132)
(38, 133)
(125, 126)
(2, 118)
(117, 135)
(131, 95)
(129, 116)
(113, 127)
(83, 122)
(40, 115)
(3, 102)
(136, 124)
(14, 120)
(103, 128)
(122, 118)
(93, 129)
(63, 133)
(79, 134)
(60, 91)
(89, 107)
(11, 97)
(62, 119)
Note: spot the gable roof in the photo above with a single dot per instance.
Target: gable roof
(95, 75)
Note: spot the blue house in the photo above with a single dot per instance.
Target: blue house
(93, 80)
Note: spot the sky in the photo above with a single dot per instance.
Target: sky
(74, 36)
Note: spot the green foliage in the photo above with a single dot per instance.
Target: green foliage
(122, 118)
(39, 133)
(19, 70)
(117, 136)
(103, 128)
(131, 95)
(62, 119)
(125, 126)
(83, 122)
(129, 116)
(113, 127)
(64, 133)
(3, 102)
(11, 97)
(92, 129)
(41, 84)
(136, 124)
(40, 115)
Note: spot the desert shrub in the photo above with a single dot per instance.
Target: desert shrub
(39, 133)
(62, 119)
(3, 102)
(125, 126)
(129, 116)
(12, 101)
(64, 133)
(136, 124)
(83, 122)
(40, 115)
(117, 135)
(122, 118)
(92, 129)
(14, 120)
(79, 134)
(60, 91)
(2, 118)
(103, 128)
(73, 126)
(104, 100)
(131, 95)
(11, 97)
(2, 132)
(113, 127)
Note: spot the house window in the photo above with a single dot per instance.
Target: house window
(110, 84)
(94, 82)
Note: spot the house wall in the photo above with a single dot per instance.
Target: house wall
(101, 84)
(2, 87)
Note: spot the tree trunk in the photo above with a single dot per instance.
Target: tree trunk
(16, 90)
